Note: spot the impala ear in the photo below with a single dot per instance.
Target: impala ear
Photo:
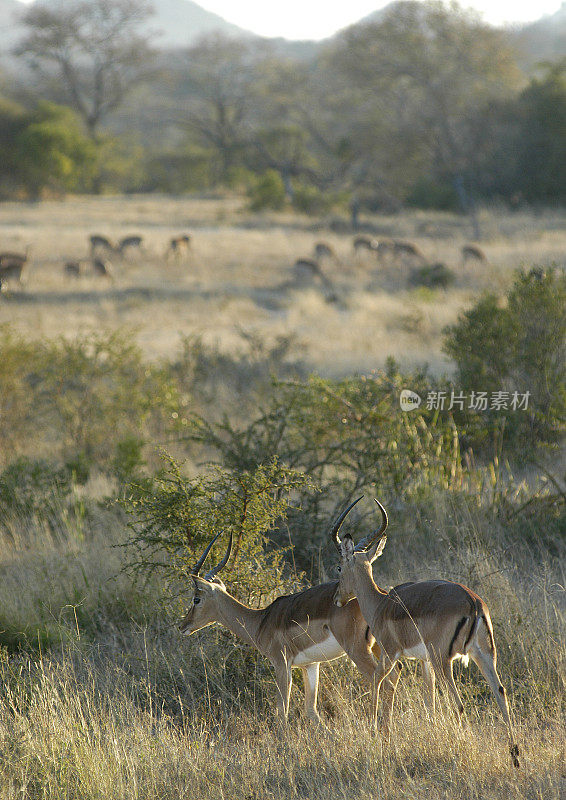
(375, 550)
(347, 547)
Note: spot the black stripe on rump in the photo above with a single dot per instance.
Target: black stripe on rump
(477, 611)
(456, 632)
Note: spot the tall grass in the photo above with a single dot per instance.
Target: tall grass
(113, 703)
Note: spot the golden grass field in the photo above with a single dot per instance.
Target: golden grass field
(119, 707)
(235, 274)
(123, 708)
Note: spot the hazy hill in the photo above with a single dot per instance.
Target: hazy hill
(545, 39)
(10, 10)
(181, 22)
(178, 22)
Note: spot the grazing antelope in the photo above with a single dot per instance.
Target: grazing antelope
(178, 247)
(128, 243)
(384, 247)
(312, 268)
(406, 249)
(436, 620)
(13, 265)
(73, 269)
(473, 252)
(98, 243)
(298, 630)
(365, 243)
(322, 250)
(103, 268)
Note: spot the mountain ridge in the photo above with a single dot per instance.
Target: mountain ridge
(180, 23)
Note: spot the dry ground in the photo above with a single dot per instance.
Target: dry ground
(122, 707)
(239, 275)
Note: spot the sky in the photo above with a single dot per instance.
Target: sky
(317, 19)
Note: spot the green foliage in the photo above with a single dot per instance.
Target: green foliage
(38, 493)
(428, 192)
(175, 172)
(480, 343)
(174, 517)
(82, 400)
(13, 120)
(53, 152)
(518, 347)
(433, 276)
(348, 437)
(28, 486)
(541, 139)
(128, 458)
(267, 192)
(311, 200)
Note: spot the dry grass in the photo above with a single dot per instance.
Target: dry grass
(121, 707)
(239, 275)
(106, 700)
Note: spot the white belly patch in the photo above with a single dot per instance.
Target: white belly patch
(326, 650)
(417, 651)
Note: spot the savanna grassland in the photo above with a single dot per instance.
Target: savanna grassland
(238, 275)
(167, 399)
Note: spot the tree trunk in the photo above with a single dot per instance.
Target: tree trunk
(468, 205)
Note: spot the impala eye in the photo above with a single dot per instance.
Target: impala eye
(196, 601)
(338, 570)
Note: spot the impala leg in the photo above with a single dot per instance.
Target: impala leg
(389, 688)
(367, 661)
(449, 678)
(430, 681)
(443, 669)
(486, 663)
(283, 679)
(310, 679)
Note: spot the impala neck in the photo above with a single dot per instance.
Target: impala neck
(241, 620)
(370, 596)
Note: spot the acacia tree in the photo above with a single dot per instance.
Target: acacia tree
(220, 72)
(430, 68)
(93, 48)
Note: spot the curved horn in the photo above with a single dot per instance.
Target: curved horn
(336, 527)
(366, 543)
(210, 575)
(202, 559)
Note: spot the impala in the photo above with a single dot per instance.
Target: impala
(13, 265)
(178, 247)
(298, 630)
(101, 243)
(473, 252)
(436, 620)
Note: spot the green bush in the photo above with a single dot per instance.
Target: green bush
(431, 193)
(174, 517)
(267, 192)
(518, 346)
(53, 152)
(433, 276)
(81, 400)
(349, 437)
(311, 200)
(39, 494)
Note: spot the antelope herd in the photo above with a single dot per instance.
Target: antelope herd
(312, 269)
(434, 621)
(102, 252)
